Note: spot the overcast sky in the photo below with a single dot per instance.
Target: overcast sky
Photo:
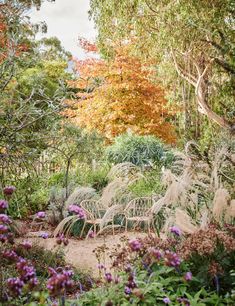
(67, 19)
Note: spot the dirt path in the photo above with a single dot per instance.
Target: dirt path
(80, 253)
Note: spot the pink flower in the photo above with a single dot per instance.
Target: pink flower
(108, 277)
(44, 235)
(172, 259)
(175, 230)
(62, 239)
(10, 255)
(3, 205)
(155, 253)
(8, 190)
(41, 214)
(3, 229)
(166, 300)
(15, 286)
(77, 210)
(135, 244)
(91, 234)
(59, 281)
(188, 276)
(4, 219)
(27, 245)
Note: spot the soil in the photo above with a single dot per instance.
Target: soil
(80, 253)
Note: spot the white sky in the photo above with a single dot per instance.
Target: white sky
(66, 19)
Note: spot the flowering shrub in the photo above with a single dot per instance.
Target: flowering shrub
(152, 271)
(180, 270)
(20, 281)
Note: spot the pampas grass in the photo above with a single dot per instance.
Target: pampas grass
(230, 212)
(220, 203)
(79, 194)
(184, 222)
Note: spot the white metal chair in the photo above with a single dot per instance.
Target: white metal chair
(93, 210)
(109, 218)
(139, 211)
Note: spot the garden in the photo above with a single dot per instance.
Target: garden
(117, 171)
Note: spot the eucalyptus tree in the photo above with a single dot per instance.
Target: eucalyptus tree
(196, 38)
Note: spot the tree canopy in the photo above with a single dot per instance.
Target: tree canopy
(121, 94)
(197, 37)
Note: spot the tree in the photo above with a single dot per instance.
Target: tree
(33, 89)
(198, 37)
(120, 94)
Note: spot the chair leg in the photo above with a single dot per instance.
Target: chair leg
(149, 227)
(82, 229)
(126, 225)
(113, 228)
(89, 231)
(136, 225)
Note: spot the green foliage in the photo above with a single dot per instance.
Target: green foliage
(149, 185)
(96, 178)
(139, 150)
(196, 31)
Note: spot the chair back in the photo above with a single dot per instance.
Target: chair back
(139, 207)
(92, 209)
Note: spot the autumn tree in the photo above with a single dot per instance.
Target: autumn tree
(193, 42)
(121, 94)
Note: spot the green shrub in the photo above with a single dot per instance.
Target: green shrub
(139, 150)
(39, 199)
(150, 184)
(56, 179)
(31, 195)
(151, 272)
(85, 175)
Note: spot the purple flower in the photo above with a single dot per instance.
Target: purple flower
(155, 253)
(127, 290)
(33, 282)
(41, 214)
(128, 268)
(91, 234)
(10, 255)
(8, 190)
(26, 245)
(15, 286)
(4, 219)
(3, 205)
(101, 267)
(135, 244)
(77, 210)
(44, 235)
(3, 238)
(183, 301)
(175, 230)
(172, 259)
(166, 300)
(188, 276)
(59, 282)
(131, 281)
(3, 229)
(108, 277)
(62, 239)
(26, 270)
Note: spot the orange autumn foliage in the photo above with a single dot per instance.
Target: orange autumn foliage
(119, 95)
(7, 45)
